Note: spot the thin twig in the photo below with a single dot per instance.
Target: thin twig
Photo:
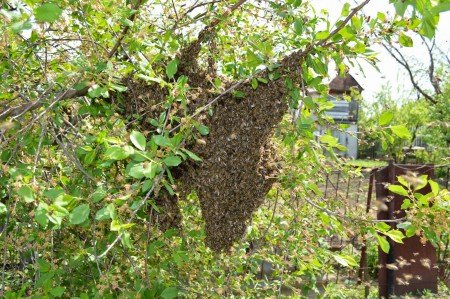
(133, 215)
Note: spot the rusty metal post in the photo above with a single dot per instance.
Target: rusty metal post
(411, 275)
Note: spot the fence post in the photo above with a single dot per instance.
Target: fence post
(413, 261)
(363, 271)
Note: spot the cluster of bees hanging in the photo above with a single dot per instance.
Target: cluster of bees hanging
(236, 171)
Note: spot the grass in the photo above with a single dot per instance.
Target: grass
(366, 163)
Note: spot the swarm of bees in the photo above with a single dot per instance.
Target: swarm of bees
(238, 159)
(236, 171)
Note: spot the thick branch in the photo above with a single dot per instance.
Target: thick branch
(403, 62)
(125, 29)
(22, 109)
(431, 76)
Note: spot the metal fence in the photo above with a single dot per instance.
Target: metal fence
(361, 195)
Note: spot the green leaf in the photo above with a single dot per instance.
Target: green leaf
(172, 68)
(253, 60)
(107, 212)
(98, 194)
(322, 34)
(314, 188)
(440, 8)
(401, 131)
(384, 244)
(396, 235)
(48, 12)
(172, 161)
(80, 214)
(169, 293)
(41, 217)
(328, 139)
(385, 118)
(401, 180)
(428, 27)
(117, 226)
(168, 188)
(345, 10)
(298, 26)
(20, 26)
(345, 260)
(3, 209)
(150, 169)
(138, 140)
(406, 204)
(238, 94)
(137, 171)
(434, 187)
(382, 226)
(410, 231)
(26, 193)
(192, 155)
(398, 190)
(162, 140)
(116, 153)
(126, 240)
(405, 40)
(44, 266)
(400, 7)
(404, 225)
(95, 91)
(204, 130)
(57, 291)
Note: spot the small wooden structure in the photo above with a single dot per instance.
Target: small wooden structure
(344, 111)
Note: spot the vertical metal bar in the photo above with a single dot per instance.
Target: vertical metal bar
(326, 185)
(358, 191)
(346, 195)
(391, 254)
(337, 183)
(446, 181)
(363, 271)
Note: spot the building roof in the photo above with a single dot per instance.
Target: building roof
(344, 84)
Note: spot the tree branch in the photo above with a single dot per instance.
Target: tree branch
(125, 29)
(22, 109)
(403, 62)
(188, 55)
(431, 76)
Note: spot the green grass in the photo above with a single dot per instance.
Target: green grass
(366, 163)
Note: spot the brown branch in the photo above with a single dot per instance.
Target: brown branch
(190, 9)
(431, 76)
(22, 109)
(344, 22)
(125, 29)
(403, 62)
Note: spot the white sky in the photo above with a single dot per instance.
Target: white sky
(392, 73)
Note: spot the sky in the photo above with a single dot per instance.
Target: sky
(392, 73)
